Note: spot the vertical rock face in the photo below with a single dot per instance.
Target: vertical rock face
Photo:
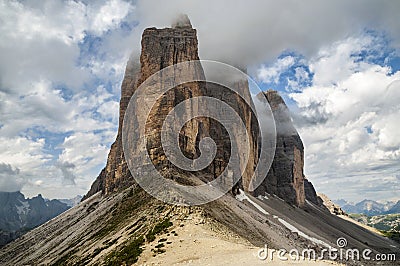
(217, 132)
(285, 178)
(165, 47)
(311, 194)
(160, 48)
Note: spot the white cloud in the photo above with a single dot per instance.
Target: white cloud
(49, 88)
(67, 170)
(109, 15)
(332, 64)
(271, 74)
(23, 153)
(46, 110)
(301, 74)
(360, 104)
(27, 158)
(86, 153)
(54, 20)
(10, 178)
(40, 43)
(254, 31)
(109, 110)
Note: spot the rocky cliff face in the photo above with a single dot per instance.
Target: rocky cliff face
(311, 194)
(160, 48)
(165, 47)
(332, 207)
(285, 178)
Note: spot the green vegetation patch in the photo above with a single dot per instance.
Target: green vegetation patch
(381, 226)
(392, 235)
(127, 255)
(158, 228)
(158, 251)
(161, 245)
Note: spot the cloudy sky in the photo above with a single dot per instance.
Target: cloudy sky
(337, 65)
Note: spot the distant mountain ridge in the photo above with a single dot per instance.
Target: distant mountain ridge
(384, 222)
(73, 201)
(19, 214)
(369, 207)
(395, 208)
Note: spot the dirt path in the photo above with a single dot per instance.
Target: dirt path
(194, 242)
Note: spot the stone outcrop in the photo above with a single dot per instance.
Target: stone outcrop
(311, 194)
(285, 178)
(166, 47)
(332, 207)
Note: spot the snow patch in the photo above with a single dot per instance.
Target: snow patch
(279, 198)
(312, 205)
(242, 196)
(262, 197)
(295, 230)
(23, 208)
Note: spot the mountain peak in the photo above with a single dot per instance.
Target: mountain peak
(169, 46)
(17, 214)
